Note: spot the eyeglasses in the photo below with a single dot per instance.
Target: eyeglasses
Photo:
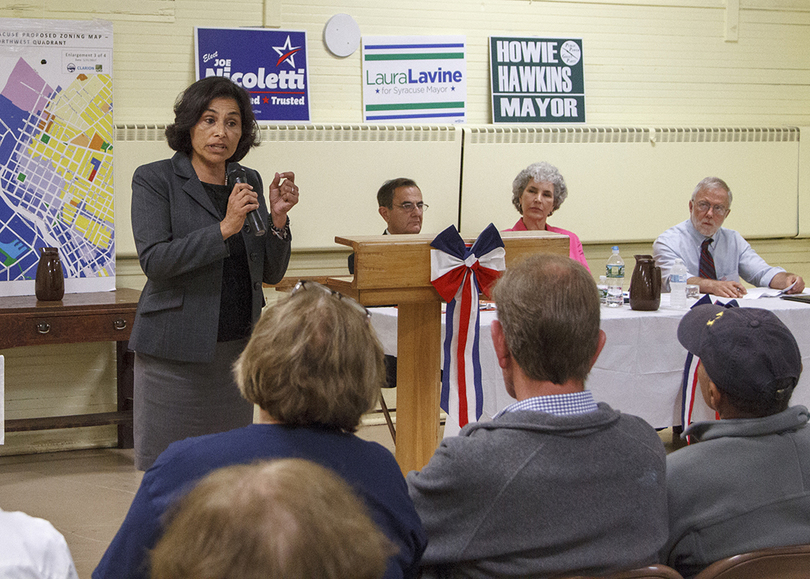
(310, 285)
(718, 210)
(409, 207)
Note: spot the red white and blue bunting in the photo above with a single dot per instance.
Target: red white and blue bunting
(459, 274)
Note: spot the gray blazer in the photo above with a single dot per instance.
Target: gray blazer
(181, 251)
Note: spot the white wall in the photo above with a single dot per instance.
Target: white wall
(631, 185)
(649, 63)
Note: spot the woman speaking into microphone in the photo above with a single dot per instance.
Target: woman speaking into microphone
(204, 264)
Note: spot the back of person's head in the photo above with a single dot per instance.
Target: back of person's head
(749, 354)
(287, 518)
(548, 306)
(385, 195)
(313, 359)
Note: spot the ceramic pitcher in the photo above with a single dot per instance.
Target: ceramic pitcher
(645, 285)
(50, 282)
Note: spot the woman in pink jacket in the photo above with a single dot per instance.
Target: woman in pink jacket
(537, 192)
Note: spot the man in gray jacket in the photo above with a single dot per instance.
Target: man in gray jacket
(746, 485)
(556, 484)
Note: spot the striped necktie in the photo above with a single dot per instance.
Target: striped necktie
(706, 261)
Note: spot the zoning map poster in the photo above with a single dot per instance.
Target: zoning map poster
(56, 154)
(414, 79)
(270, 64)
(537, 80)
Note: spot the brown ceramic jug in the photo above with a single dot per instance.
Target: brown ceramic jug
(645, 285)
(50, 282)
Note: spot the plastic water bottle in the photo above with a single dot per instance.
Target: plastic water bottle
(602, 287)
(677, 285)
(614, 271)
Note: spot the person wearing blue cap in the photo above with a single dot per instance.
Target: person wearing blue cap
(746, 485)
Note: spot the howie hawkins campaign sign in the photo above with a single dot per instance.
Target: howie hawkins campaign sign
(537, 80)
(414, 79)
(270, 64)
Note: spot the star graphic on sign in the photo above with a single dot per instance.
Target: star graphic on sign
(266, 100)
(378, 91)
(286, 53)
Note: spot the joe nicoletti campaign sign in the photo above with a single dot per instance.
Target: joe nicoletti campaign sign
(270, 64)
(537, 80)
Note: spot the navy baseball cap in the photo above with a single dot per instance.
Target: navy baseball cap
(745, 351)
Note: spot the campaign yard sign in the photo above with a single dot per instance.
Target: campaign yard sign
(537, 80)
(270, 64)
(414, 79)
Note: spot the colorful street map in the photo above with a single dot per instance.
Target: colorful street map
(56, 178)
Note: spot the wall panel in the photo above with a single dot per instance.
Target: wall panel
(630, 184)
(338, 169)
(804, 184)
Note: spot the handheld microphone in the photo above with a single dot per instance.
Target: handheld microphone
(236, 174)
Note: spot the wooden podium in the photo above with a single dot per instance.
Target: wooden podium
(395, 270)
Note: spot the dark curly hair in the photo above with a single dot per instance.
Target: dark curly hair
(192, 103)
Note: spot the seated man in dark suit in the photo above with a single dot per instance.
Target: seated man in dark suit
(401, 206)
(556, 484)
(746, 485)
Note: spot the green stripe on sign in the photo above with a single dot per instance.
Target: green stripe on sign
(428, 56)
(411, 106)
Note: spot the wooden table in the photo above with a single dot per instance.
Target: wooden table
(83, 317)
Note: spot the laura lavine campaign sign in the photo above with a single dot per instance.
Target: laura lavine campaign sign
(414, 79)
(537, 80)
(270, 64)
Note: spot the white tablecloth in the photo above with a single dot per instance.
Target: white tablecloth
(639, 370)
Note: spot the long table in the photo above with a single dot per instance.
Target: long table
(639, 370)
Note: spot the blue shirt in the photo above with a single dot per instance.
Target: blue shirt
(733, 256)
(556, 404)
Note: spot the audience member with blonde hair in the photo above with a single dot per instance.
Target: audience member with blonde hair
(314, 366)
(256, 521)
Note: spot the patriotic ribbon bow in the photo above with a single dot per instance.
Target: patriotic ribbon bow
(459, 274)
